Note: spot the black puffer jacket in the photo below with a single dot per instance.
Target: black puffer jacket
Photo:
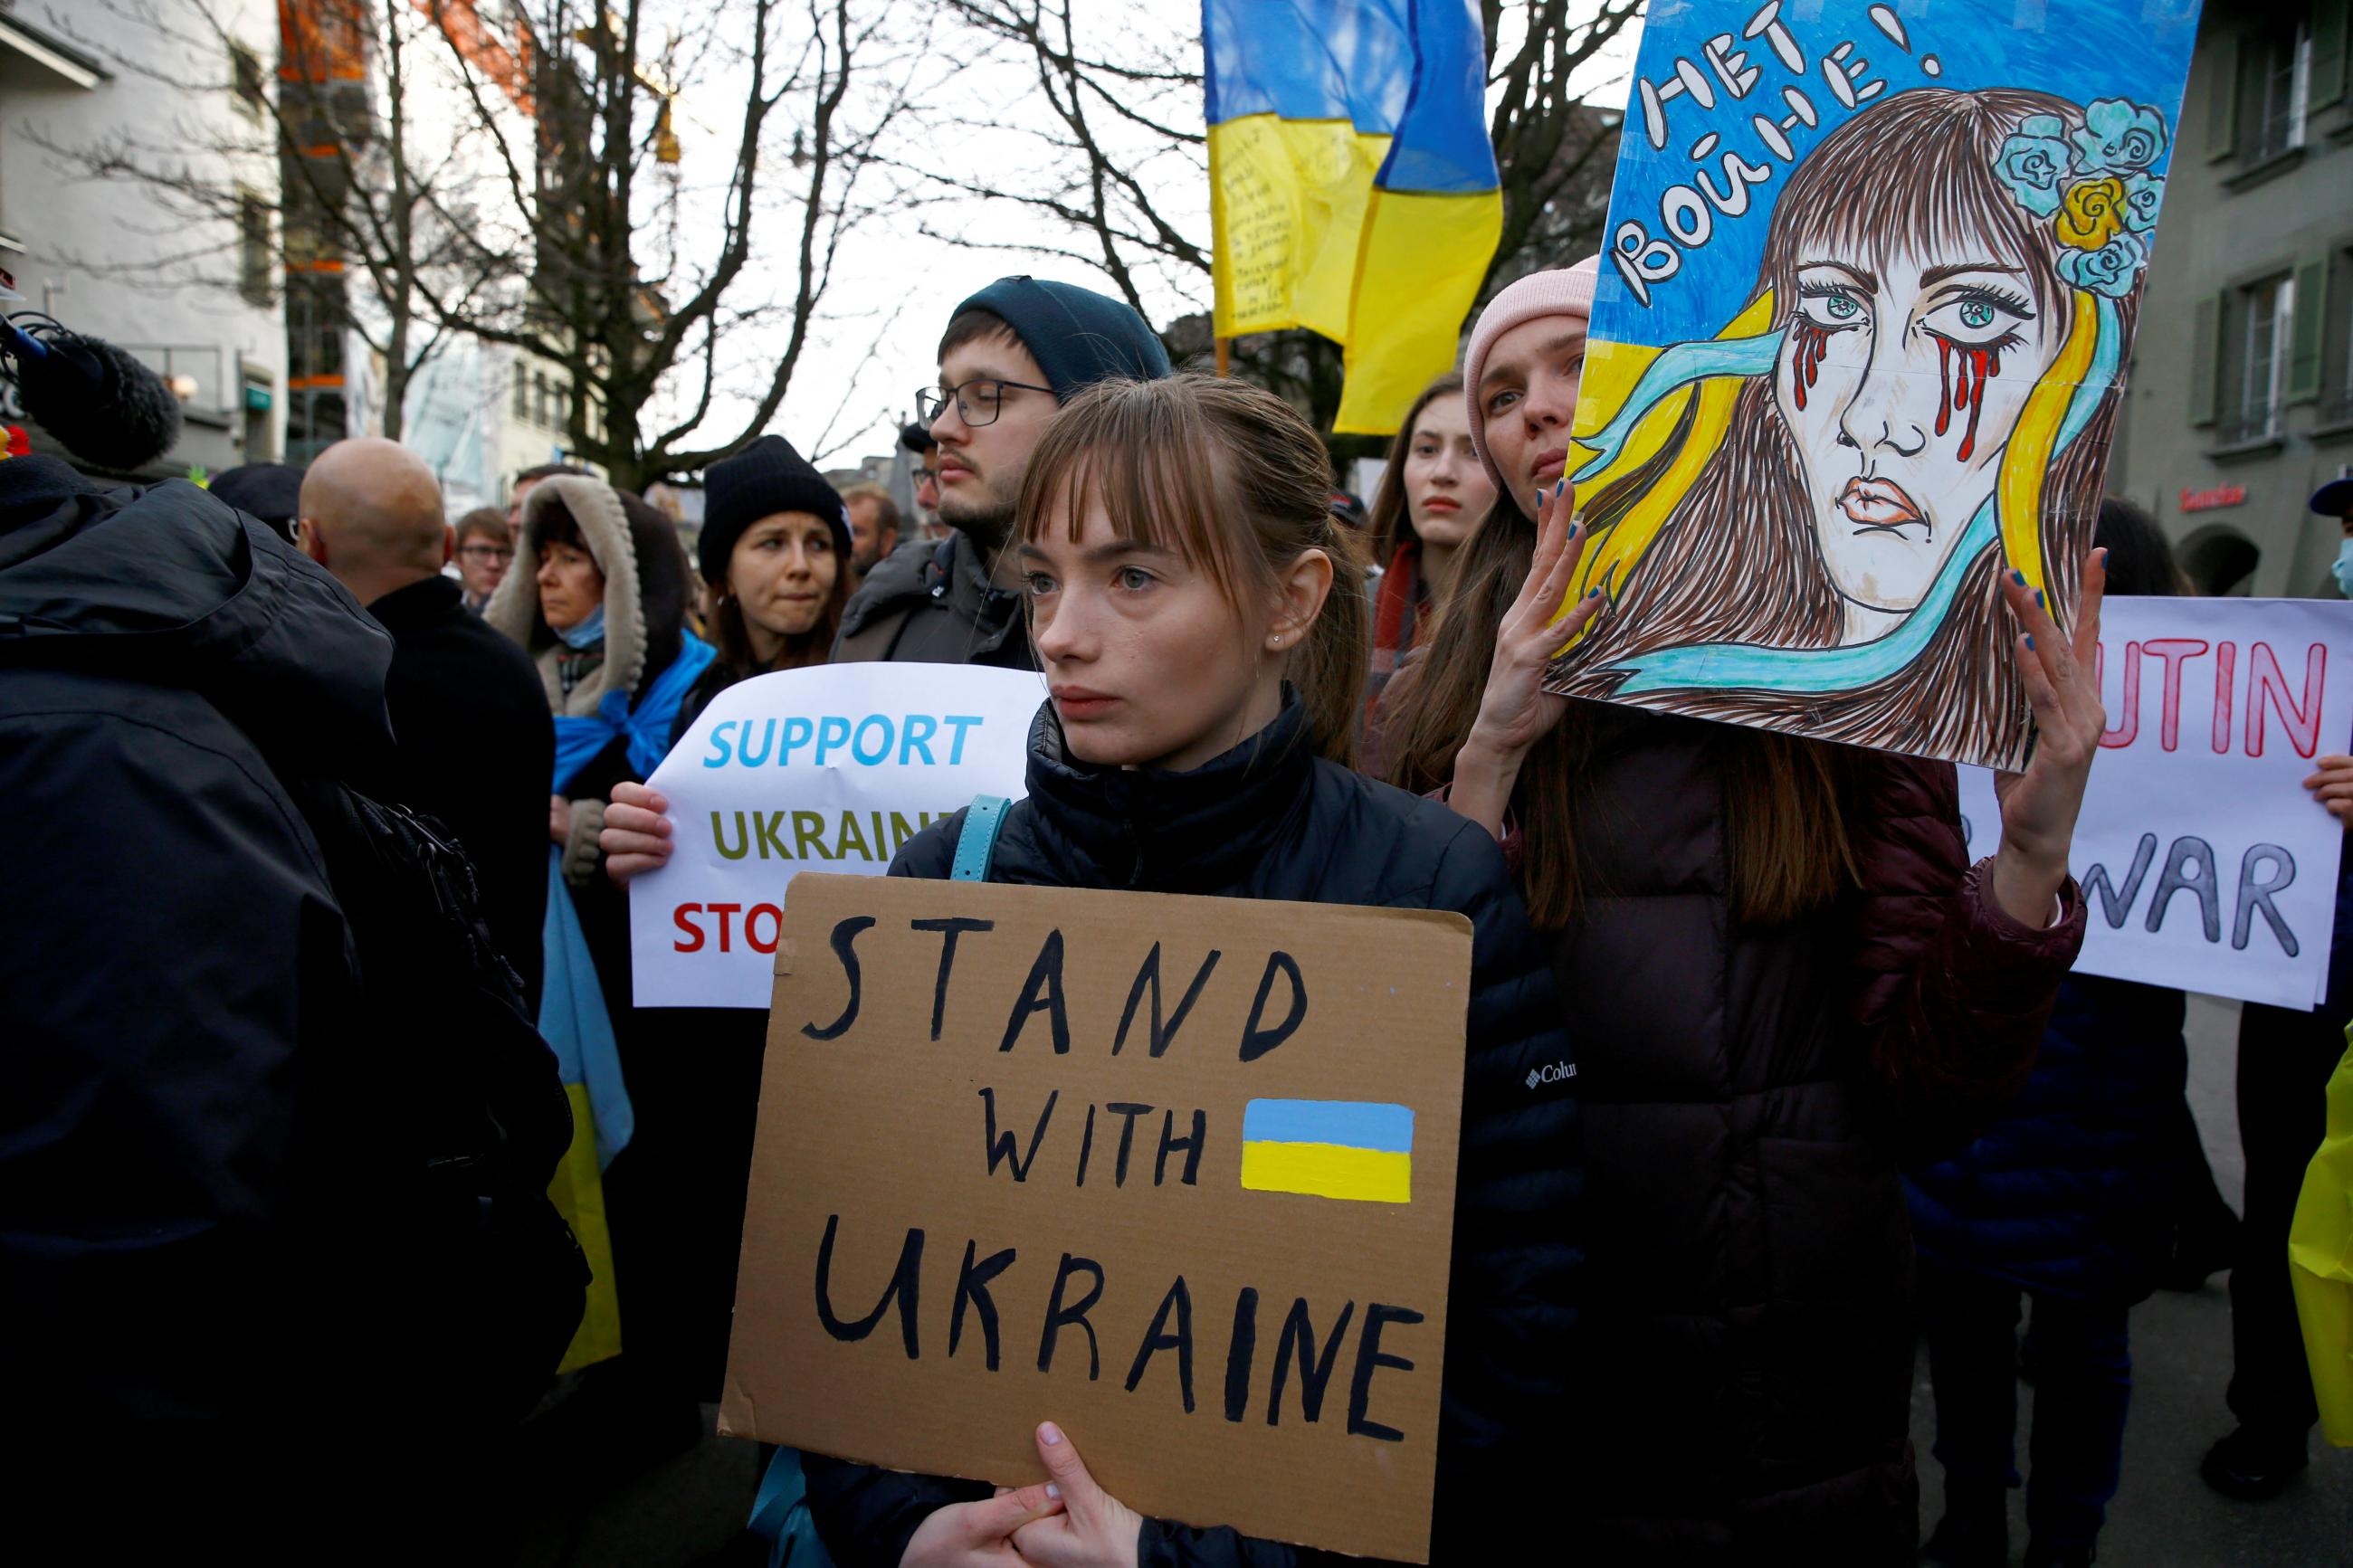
(1744, 1357)
(1270, 820)
(188, 1116)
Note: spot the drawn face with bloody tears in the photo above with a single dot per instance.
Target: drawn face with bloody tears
(1900, 380)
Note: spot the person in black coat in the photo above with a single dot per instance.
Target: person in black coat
(1232, 781)
(195, 1255)
(774, 554)
(173, 954)
(476, 743)
(2071, 1197)
(2068, 1200)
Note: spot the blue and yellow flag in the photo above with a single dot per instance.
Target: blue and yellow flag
(1352, 183)
(1352, 1149)
(573, 1020)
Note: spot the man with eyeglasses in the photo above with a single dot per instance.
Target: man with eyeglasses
(923, 474)
(485, 551)
(1011, 355)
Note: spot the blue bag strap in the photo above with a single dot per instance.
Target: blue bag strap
(976, 845)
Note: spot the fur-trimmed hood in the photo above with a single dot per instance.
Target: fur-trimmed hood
(646, 588)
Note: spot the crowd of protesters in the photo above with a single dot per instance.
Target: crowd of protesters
(1835, 1084)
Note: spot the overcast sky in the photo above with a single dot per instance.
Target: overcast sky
(895, 284)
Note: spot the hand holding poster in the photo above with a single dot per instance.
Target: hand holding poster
(830, 768)
(1119, 1161)
(1857, 350)
(2205, 863)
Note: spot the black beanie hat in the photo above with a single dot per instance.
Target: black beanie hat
(270, 492)
(762, 479)
(1077, 336)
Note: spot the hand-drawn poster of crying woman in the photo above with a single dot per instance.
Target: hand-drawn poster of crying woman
(1859, 351)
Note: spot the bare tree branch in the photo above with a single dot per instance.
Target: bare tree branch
(1111, 118)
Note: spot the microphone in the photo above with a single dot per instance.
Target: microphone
(99, 402)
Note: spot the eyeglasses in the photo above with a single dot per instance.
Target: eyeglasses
(978, 402)
(486, 552)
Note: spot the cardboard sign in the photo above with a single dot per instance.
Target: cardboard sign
(1866, 300)
(832, 769)
(1175, 1173)
(2205, 863)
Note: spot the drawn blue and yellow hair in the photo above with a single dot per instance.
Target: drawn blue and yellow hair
(1675, 445)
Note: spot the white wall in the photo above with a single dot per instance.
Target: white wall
(74, 231)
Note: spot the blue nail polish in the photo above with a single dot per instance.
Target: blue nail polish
(1558, 488)
(1593, 592)
(2019, 578)
(2030, 641)
(2038, 597)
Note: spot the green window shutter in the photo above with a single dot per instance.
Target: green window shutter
(2329, 21)
(2205, 331)
(2304, 330)
(2222, 99)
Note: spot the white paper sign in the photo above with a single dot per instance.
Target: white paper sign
(829, 769)
(2206, 864)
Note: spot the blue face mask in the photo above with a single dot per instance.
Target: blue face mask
(2342, 568)
(588, 632)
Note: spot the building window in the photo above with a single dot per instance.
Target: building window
(540, 403)
(253, 248)
(315, 420)
(315, 331)
(2256, 326)
(2274, 82)
(2335, 308)
(245, 80)
(519, 403)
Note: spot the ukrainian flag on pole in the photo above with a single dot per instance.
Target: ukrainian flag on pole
(1352, 183)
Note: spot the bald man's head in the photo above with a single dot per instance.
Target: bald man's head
(372, 515)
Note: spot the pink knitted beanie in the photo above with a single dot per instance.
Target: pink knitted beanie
(1567, 291)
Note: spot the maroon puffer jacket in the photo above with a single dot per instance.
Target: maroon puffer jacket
(1745, 1355)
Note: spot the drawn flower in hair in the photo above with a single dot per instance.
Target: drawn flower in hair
(2033, 163)
(2092, 213)
(2114, 269)
(2119, 137)
(2143, 194)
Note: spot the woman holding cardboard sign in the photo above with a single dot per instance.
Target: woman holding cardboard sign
(1786, 978)
(1181, 526)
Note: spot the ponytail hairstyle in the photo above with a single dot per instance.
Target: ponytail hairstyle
(1235, 481)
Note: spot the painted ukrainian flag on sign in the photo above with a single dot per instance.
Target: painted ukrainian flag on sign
(1352, 183)
(1329, 1149)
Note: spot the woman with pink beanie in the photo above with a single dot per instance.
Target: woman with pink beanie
(1785, 979)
